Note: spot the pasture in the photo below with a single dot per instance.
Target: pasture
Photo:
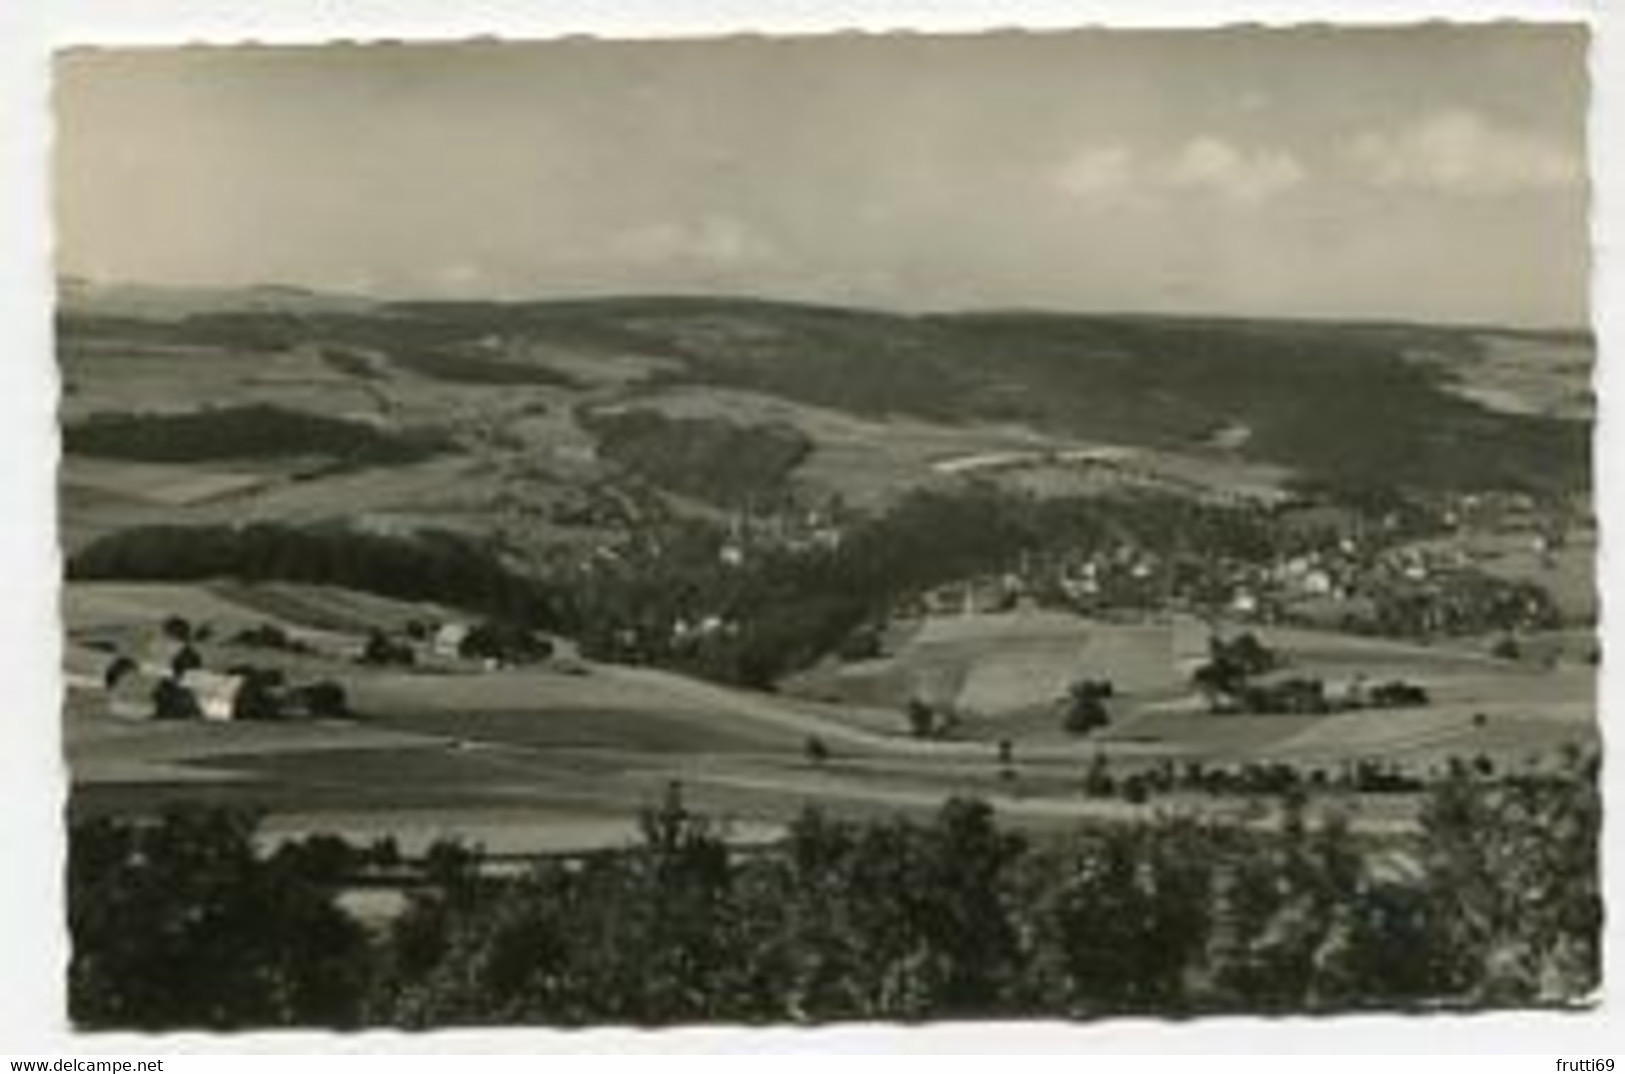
(989, 667)
(1005, 675)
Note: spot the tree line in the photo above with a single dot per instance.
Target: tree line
(430, 565)
(1495, 901)
(251, 431)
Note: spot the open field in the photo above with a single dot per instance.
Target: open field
(113, 376)
(1007, 674)
(167, 485)
(1567, 572)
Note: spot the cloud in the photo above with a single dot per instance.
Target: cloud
(714, 241)
(1459, 152)
(1110, 175)
(1096, 171)
(1237, 175)
(461, 278)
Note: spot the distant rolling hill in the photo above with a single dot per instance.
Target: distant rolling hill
(78, 296)
(1362, 403)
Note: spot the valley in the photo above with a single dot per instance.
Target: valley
(790, 556)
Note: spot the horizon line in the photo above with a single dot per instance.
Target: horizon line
(1585, 328)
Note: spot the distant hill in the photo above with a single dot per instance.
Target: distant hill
(1351, 401)
(81, 297)
(1355, 402)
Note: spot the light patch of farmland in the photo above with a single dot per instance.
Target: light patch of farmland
(1430, 735)
(1568, 573)
(439, 485)
(1337, 655)
(1016, 663)
(595, 367)
(331, 620)
(1528, 375)
(87, 513)
(329, 608)
(1189, 730)
(167, 484)
(609, 706)
(1055, 648)
(143, 377)
(105, 749)
(1012, 669)
(88, 605)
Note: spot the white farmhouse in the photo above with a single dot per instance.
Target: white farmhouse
(216, 693)
(448, 640)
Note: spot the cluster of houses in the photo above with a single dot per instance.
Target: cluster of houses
(798, 530)
(167, 678)
(1285, 693)
(453, 644)
(1242, 675)
(1342, 580)
(750, 532)
(158, 689)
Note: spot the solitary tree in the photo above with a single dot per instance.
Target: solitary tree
(1085, 706)
(187, 659)
(1007, 759)
(172, 701)
(922, 719)
(120, 667)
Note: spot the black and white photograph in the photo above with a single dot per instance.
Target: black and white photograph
(793, 530)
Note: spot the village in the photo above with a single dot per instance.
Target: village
(1486, 568)
(1416, 579)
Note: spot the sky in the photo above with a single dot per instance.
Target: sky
(1428, 173)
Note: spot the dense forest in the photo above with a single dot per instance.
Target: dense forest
(253, 431)
(722, 462)
(427, 565)
(1495, 901)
